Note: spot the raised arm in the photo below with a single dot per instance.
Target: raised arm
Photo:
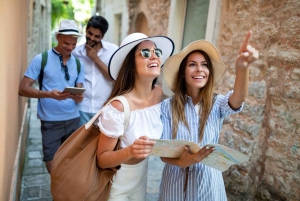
(247, 55)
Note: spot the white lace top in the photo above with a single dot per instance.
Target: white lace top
(142, 122)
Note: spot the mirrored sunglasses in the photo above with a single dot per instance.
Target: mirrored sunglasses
(146, 53)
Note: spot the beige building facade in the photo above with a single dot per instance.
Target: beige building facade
(268, 129)
(24, 32)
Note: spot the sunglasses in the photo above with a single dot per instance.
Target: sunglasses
(146, 53)
(65, 68)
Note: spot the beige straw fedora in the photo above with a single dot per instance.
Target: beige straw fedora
(171, 66)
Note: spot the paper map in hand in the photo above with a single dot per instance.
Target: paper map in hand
(221, 159)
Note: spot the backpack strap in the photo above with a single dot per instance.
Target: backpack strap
(78, 69)
(43, 64)
(78, 65)
(126, 106)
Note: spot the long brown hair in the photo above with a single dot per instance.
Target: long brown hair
(126, 77)
(180, 98)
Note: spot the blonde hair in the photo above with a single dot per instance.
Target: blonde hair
(180, 98)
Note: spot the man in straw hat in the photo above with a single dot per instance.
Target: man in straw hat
(95, 55)
(58, 111)
(194, 113)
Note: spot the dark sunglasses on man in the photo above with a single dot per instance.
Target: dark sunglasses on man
(65, 68)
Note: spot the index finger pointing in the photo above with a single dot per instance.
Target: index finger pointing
(245, 42)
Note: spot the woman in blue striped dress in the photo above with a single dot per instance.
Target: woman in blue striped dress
(194, 113)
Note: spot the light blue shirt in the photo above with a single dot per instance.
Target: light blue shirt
(204, 182)
(50, 109)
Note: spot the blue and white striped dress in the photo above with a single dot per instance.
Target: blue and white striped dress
(204, 182)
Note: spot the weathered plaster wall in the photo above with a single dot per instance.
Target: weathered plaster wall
(39, 27)
(268, 129)
(155, 11)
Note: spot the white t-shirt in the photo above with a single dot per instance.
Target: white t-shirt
(142, 122)
(98, 87)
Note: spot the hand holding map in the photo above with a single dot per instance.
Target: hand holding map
(221, 159)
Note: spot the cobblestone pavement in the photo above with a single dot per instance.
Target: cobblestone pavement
(36, 180)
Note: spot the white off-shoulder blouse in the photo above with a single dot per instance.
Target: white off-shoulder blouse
(142, 122)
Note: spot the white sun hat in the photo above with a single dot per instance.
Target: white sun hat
(162, 42)
(68, 27)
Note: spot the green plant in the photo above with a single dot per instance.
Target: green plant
(61, 10)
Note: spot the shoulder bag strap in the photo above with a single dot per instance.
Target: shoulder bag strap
(125, 103)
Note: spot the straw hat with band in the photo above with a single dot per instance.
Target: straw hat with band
(171, 66)
(162, 42)
(68, 27)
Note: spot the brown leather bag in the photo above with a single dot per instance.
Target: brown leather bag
(74, 173)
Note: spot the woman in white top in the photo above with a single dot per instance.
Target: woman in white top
(135, 67)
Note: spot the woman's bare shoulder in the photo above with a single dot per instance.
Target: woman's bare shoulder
(118, 105)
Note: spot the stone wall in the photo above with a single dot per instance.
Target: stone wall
(156, 14)
(155, 11)
(268, 129)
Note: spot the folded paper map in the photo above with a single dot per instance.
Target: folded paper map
(221, 159)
